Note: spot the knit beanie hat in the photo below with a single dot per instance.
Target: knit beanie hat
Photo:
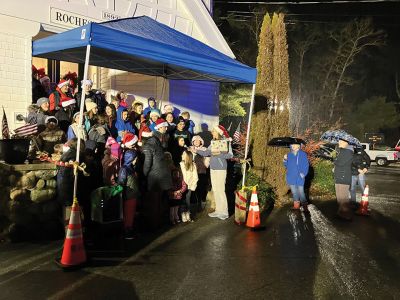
(51, 119)
(154, 112)
(90, 105)
(42, 100)
(110, 141)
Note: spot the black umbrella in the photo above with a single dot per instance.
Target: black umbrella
(285, 142)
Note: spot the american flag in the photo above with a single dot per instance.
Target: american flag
(26, 130)
(5, 130)
(237, 136)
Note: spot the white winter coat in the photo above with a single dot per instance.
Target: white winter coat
(190, 177)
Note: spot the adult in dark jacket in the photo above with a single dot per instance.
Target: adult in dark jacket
(342, 172)
(94, 95)
(155, 169)
(296, 164)
(360, 165)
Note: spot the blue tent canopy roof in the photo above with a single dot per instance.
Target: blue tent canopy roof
(143, 45)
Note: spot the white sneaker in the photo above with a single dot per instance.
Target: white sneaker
(213, 214)
(184, 218)
(188, 219)
(223, 216)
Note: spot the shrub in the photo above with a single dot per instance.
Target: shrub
(323, 182)
(266, 194)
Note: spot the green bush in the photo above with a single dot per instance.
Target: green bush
(323, 182)
(266, 194)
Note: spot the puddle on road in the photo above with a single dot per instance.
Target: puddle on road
(346, 260)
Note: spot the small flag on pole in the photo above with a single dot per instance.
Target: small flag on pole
(26, 130)
(5, 130)
(237, 136)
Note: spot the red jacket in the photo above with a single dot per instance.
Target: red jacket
(56, 98)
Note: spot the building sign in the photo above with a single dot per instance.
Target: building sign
(108, 16)
(375, 138)
(68, 19)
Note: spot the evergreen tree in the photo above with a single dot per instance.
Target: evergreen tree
(260, 124)
(272, 87)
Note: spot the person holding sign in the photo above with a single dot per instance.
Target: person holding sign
(220, 151)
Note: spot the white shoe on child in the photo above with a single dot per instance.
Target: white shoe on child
(188, 219)
(184, 217)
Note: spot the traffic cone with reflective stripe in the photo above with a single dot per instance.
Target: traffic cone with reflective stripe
(363, 209)
(253, 218)
(74, 254)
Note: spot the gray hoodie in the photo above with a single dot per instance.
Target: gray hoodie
(217, 162)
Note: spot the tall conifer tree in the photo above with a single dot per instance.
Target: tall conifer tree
(272, 89)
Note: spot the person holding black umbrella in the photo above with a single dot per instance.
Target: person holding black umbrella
(296, 164)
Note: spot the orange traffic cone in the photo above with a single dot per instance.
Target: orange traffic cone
(363, 209)
(253, 218)
(74, 255)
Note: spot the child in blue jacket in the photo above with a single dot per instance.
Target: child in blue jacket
(297, 165)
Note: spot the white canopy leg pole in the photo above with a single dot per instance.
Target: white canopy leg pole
(246, 149)
(78, 147)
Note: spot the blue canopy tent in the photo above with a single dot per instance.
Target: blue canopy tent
(143, 45)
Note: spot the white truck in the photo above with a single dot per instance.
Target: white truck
(381, 157)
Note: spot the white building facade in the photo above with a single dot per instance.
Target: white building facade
(23, 21)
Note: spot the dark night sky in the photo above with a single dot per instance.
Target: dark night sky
(378, 66)
(386, 14)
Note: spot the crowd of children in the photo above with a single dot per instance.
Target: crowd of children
(155, 156)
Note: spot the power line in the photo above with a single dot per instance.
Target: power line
(247, 13)
(307, 2)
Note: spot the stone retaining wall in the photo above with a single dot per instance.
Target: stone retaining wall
(28, 206)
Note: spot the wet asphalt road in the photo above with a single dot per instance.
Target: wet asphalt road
(297, 256)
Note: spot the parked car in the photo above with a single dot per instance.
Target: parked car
(381, 157)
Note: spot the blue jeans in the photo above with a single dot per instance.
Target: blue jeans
(360, 179)
(298, 193)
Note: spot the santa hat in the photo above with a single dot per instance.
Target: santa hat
(43, 79)
(62, 83)
(110, 141)
(221, 131)
(129, 140)
(144, 132)
(68, 102)
(90, 105)
(161, 123)
(154, 112)
(34, 70)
